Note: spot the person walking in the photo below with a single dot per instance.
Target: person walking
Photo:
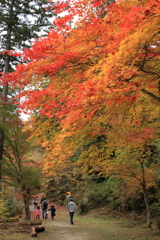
(71, 208)
(53, 210)
(42, 199)
(44, 208)
(35, 203)
(38, 212)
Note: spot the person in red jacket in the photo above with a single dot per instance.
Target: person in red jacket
(38, 212)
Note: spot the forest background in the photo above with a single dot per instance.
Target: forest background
(91, 87)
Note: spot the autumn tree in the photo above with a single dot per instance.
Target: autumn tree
(139, 167)
(99, 79)
(20, 23)
(18, 169)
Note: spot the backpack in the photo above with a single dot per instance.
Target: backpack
(45, 204)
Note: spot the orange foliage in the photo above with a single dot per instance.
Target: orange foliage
(102, 73)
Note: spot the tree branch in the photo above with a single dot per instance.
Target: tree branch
(151, 95)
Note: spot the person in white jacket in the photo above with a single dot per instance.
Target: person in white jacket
(71, 208)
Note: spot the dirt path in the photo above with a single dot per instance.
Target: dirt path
(90, 228)
(60, 228)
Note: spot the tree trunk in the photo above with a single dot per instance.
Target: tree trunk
(147, 208)
(123, 205)
(1, 151)
(26, 203)
(35, 229)
(14, 189)
(36, 222)
(33, 232)
(39, 228)
(143, 183)
(4, 97)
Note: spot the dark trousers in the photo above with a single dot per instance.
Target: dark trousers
(44, 213)
(71, 217)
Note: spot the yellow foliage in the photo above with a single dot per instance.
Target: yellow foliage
(101, 85)
(3, 210)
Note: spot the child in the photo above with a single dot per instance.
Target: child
(52, 209)
(38, 212)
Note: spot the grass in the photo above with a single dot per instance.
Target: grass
(88, 227)
(114, 229)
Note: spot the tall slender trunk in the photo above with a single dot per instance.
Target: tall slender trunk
(147, 209)
(4, 98)
(14, 189)
(148, 213)
(6, 70)
(26, 198)
(1, 148)
(26, 206)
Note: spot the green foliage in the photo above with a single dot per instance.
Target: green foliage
(3, 208)
(21, 165)
(154, 198)
(11, 210)
(94, 195)
(7, 206)
(31, 177)
(17, 18)
(155, 208)
(58, 187)
(57, 196)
